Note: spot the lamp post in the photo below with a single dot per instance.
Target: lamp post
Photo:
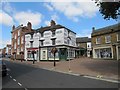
(68, 52)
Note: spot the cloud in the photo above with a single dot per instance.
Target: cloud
(33, 17)
(6, 19)
(4, 43)
(6, 6)
(47, 23)
(53, 17)
(84, 33)
(75, 10)
(48, 6)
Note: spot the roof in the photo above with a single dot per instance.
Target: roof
(83, 39)
(107, 29)
(42, 29)
(8, 45)
(47, 28)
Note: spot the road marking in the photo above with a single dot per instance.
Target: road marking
(26, 89)
(14, 80)
(114, 81)
(8, 69)
(19, 84)
(10, 76)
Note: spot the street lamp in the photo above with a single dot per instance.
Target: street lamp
(68, 52)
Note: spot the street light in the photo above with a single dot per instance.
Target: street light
(68, 52)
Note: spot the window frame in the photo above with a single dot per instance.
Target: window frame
(97, 40)
(106, 38)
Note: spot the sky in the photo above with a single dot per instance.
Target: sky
(79, 17)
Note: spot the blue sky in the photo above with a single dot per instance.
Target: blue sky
(80, 17)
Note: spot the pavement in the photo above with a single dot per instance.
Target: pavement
(106, 70)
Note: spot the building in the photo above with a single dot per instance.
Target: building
(8, 50)
(18, 38)
(44, 39)
(83, 46)
(4, 52)
(106, 42)
(1, 53)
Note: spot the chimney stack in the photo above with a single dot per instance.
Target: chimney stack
(93, 29)
(13, 27)
(52, 23)
(29, 26)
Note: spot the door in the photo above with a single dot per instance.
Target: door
(63, 54)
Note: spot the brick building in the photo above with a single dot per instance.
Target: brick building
(18, 38)
(4, 52)
(8, 50)
(1, 53)
(106, 42)
(83, 46)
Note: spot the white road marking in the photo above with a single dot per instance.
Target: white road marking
(114, 81)
(26, 89)
(14, 80)
(19, 84)
(8, 69)
(10, 76)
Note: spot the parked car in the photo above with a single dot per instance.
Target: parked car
(3, 69)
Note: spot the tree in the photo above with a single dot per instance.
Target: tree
(109, 9)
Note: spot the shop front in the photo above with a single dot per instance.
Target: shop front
(30, 53)
(103, 53)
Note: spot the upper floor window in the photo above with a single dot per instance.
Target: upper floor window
(22, 39)
(108, 39)
(15, 36)
(15, 45)
(18, 40)
(98, 40)
(118, 36)
(18, 32)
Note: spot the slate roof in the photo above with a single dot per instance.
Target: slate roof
(47, 28)
(83, 39)
(106, 30)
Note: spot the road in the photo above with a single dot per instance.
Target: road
(27, 76)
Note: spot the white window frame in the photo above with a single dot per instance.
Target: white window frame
(117, 36)
(97, 40)
(106, 37)
(18, 32)
(18, 40)
(15, 45)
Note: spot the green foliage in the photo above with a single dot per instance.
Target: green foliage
(109, 9)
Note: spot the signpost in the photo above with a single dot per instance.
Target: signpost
(53, 51)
